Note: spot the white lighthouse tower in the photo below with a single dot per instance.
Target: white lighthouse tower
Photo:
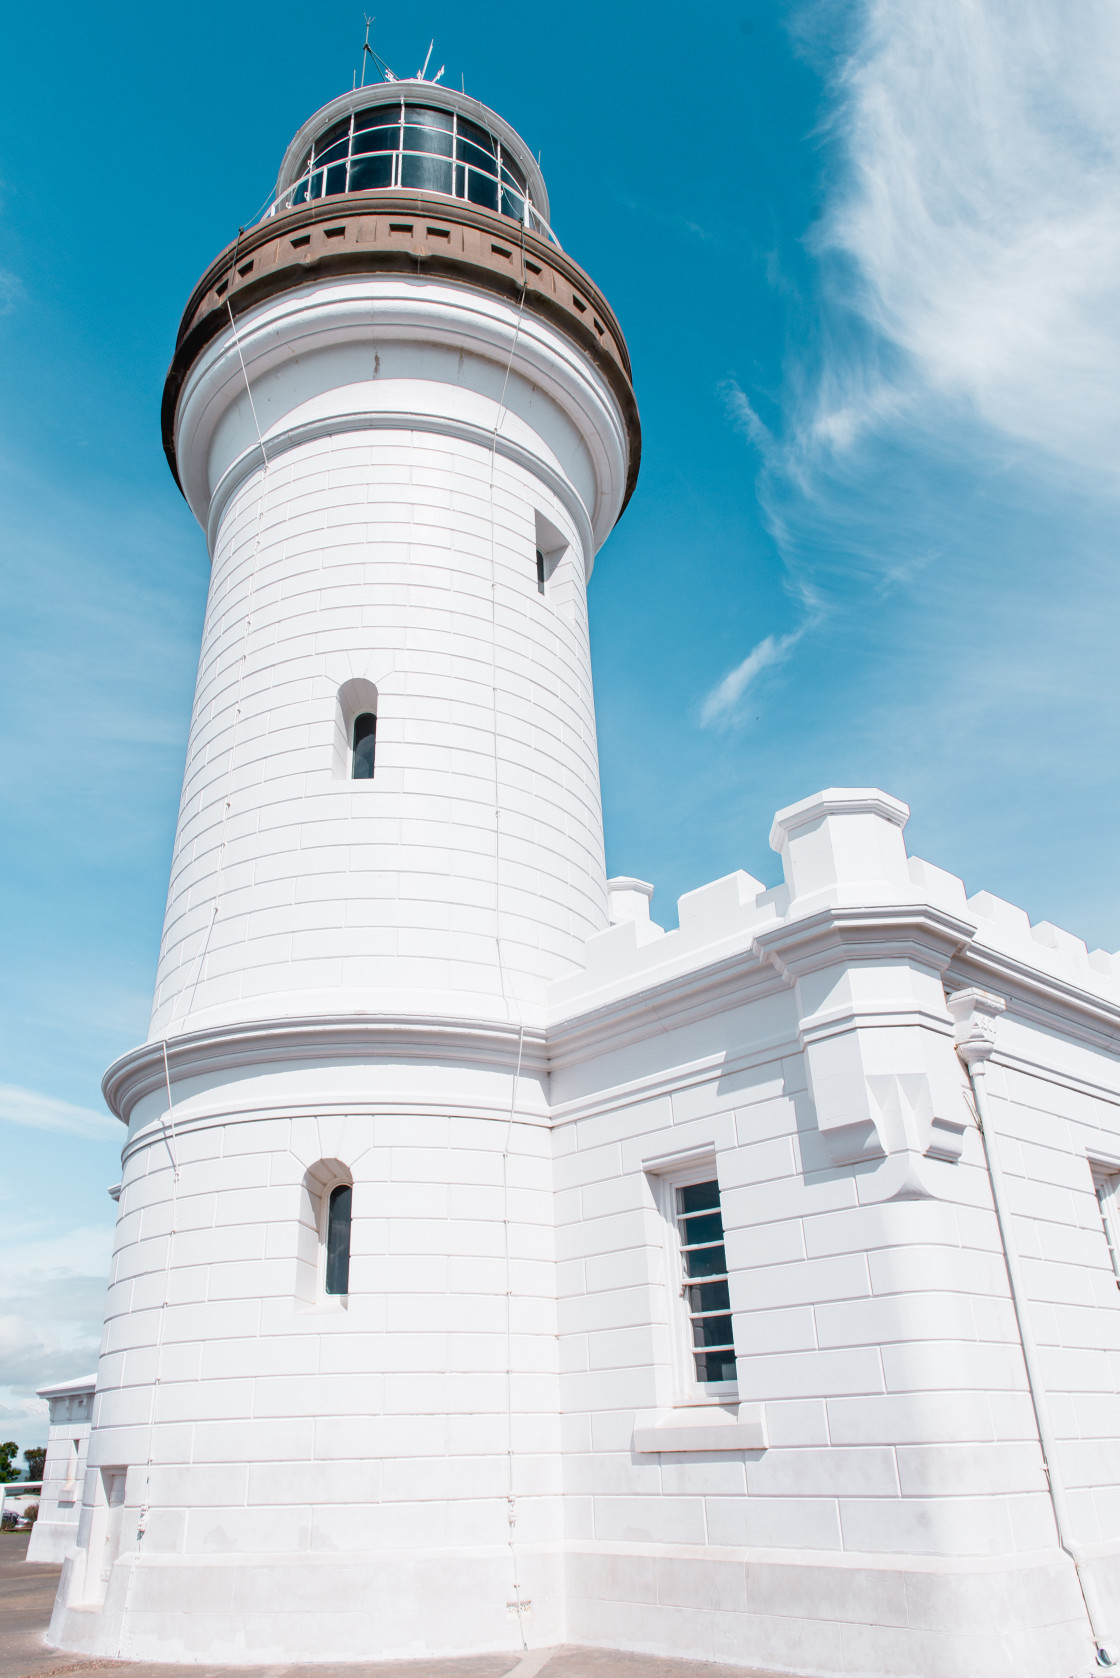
(327, 1422)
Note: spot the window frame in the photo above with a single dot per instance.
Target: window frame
(690, 1390)
(329, 1193)
(1106, 1190)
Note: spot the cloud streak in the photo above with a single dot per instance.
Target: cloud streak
(723, 702)
(977, 225)
(46, 1112)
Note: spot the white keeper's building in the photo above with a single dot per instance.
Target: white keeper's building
(494, 1269)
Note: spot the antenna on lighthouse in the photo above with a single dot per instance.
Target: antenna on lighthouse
(367, 51)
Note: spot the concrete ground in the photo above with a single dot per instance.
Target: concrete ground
(27, 1595)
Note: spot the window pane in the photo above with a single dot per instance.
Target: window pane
(715, 1366)
(378, 116)
(316, 189)
(471, 131)
(709, 1296)
(338, 1240)
(699, 1197)
(365, 740)
(511, 174)
(706, 1226)
(476, 158)
(711, 1331)
(428, 116)
(369, 173)
(427, 139)
(337, 131)
(375, 140)
(426, 174)
(482, 189)
(300, 193)
(336, 178)
(512, 205)
(331, 154)
(705, 1261)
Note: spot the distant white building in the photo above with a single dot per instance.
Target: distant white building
(494, 1269)
(64, 1470)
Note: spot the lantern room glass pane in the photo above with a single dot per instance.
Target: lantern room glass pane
(376, 140)
(367, 174)
(482, 189)
(426, 174)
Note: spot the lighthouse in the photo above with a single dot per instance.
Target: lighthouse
(327, 1421)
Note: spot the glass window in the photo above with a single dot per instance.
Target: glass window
(426, 174)
(429, 116)
(482, 189)
(338, 1240)
(367, 174)
(540, 572)
(332, 154)
(471, 131)
(377, 116)
(435, 151)
(477, 158)
(365, 743)
(427, 139)
(337, 131)
(376, 139)
(1106, 1183)
(704, 1262)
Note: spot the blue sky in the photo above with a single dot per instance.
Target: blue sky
(866, 257)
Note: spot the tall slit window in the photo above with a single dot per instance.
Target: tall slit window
(364, 744)
(704, 1285)
(1106, 1183)
(338, 1240)
(540, 572)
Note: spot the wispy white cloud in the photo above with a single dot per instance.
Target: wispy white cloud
(46, 1112)
(950, 437)
(978, 224)
(723, 702)
(745, 417)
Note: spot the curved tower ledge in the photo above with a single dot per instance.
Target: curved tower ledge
(423, 236)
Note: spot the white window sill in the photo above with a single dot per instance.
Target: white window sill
(701, 1427)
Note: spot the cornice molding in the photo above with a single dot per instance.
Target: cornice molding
(661, 1005)
(877, 932)
(280, 442)
(353, 1038)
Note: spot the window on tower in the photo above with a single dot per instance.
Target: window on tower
(338, 1240)
(364, 745)
(419, 148)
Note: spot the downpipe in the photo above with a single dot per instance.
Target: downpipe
(975, 1013)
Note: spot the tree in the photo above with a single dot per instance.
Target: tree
(36, 1456)
(9, 1451)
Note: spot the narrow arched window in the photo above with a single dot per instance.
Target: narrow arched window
(540, 572)
(338, 1240)
(365, 742)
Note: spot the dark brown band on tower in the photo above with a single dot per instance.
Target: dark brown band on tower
(400, 233)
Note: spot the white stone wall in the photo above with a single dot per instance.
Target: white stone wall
(71, 1410)
(293, 1426)
(409, 562)
(898, 1518)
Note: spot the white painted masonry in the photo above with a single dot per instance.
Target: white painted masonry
(64, 1470)
(424, 986)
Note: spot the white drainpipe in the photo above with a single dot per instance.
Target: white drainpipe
(976, 1013)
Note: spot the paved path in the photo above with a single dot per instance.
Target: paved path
(27, 1595)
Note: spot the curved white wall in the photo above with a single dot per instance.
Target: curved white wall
(468, 873)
